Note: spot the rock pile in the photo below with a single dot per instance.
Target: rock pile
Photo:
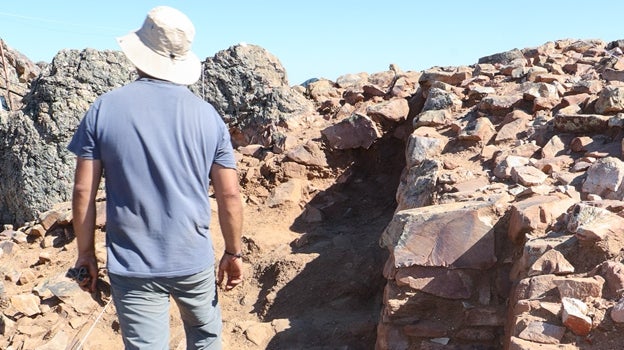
(510, 221)
(41, 307)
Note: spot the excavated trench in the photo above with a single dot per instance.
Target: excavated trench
(334, 300)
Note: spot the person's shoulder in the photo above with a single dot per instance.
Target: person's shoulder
(120, 90)
(200, 101)
(212, 110)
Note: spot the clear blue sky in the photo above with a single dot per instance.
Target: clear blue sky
(323, 38)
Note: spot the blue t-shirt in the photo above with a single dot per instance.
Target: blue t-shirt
(157, 142)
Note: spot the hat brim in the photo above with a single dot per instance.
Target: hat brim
(180, 71)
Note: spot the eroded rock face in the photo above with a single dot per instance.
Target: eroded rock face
(249, 88)
(36, 170)
(245, 83)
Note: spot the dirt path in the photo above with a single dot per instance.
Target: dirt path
(318, 285)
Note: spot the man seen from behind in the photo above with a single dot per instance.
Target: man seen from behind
(160, 148)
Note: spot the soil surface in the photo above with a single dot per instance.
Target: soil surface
(309, 284)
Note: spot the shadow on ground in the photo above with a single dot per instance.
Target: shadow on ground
(335, 301)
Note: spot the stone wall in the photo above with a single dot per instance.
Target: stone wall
(510, 219)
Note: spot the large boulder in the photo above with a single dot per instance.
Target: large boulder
(249, 87)
(36, 170)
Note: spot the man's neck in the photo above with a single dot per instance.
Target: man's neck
(142, 74)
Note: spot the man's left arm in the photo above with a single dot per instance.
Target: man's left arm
(230, 211)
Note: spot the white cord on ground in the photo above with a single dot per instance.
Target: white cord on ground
(82, 341)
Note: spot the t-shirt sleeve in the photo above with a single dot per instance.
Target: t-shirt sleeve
(224, 154)
(84, 142)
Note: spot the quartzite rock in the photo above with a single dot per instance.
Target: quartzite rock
(536, 214)
(442, 282)
(353, 132)
(582, 288)
(551, 262)
(575, 317)
(605, 178)
(613, 273)
(543, 332)
(457, 235)
(393, 110)
(424, 143)
(593, 223)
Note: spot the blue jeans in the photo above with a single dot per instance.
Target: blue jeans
(143, 309)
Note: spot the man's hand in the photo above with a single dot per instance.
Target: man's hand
(232, 266)
(90, 282)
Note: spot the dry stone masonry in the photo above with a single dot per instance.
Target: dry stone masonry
(520, 248)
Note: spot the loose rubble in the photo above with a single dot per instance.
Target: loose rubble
(508, 222)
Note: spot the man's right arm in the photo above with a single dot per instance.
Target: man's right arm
(86, 183)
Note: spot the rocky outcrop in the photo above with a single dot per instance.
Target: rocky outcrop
(544, 135)
(245, 83)
(249, 87)
(276, 176)
(508, 230)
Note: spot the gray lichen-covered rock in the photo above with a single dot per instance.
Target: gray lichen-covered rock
(249, 88)
(417, 185)
(503, 57)
(66, 89)
(36, 170)
(439, 99)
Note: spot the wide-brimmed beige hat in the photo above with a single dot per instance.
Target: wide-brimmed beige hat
(162, 46)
